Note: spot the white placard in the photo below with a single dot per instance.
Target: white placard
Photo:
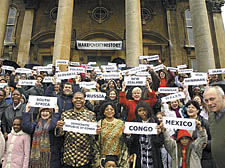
(122, 65)
(42, 101)
(49, 65)
(95, 96)
(62, 62)
(112, 75)
(49, 79)
(142, 74)
(76, 69)
(153, 58)
(23, 70)
(199, 74)
(27, 82)
(75, 63)
(168, 90)
(92, 63)
(135, 70)
(109, 68)
(88, 67)
(43, 68)
(112, 64)
(158, 67)
(216, 71)
(181, 66)
(88, 85)
(179, 123)
(172, 69)
(65, 75)
(182, 71)
(140, 128)
(2, 85)
(173, 97)
(195, 81)
(144, 57)
(82, 127)
(135, 81)
(99, 45)
(9, 68)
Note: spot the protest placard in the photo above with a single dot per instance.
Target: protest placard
(42, 101)
(82, 127)
(92, 63)
(199, 74)
(76, 69)
(49, 79)
(62, 62)
(66, 75)
(181, 66)
(9, 68)
(112, 64)
(27, 82)
(179, 123)
(109, 68)
(172, 69)
(111, 75)
(140, 128)
(158, 67)
(135, 70)
(172, 97)
(23, 70)
(43, 68)
(195, 81)
(135, 81)
(2, 85)
(216, 71)
(168, 90)
(122, 65)
(142, 74)
(99, 45)
(182, 71)
(88, 85)
(75, 63)
(153, 58)
(95, 96)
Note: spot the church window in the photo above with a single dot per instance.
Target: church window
(100, 14)
(189, 29)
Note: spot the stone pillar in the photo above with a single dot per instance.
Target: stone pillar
(134, 44)
(202, 35)
(24, 45)
(63, 31)
(4, 4)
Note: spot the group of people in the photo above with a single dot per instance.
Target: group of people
(35, 137)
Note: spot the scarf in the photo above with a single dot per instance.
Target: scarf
(184, 154)
(177, 113)
(40, 151)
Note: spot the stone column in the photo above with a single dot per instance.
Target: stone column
(134, 44)
(4, 4)
(63, 31)
(24, 45)
(202, 35)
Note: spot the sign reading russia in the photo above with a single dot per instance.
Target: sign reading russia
(140, 128)
(179, 123)
(99, 45)
(82, 127)
(95, 96)
(42, 101)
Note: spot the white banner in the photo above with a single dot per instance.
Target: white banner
(142, 74)
(195, 81)
(75, 63)
(82, 127)
(168, 90)
(182, 71)
(135, 81)
(9, 68)
(181, 66)
(99, 45)
(2, 85)
(27, 82)
(62, 62)
(42, 101)
(179, 123)
(88, 85)
(23, 70)
(95, 96)
(158, 67)
(65, 75)
(140, 128)
(172, 69)
(216, 71)
(76, 69)
(49, 79)
(112, 75)
(109, 68)
(153, 58)
(199, 74)
(172, 97)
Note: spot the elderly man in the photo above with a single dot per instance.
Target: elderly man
(77, 147)
(215, 100)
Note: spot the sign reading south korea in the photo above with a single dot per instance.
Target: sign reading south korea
(140, 128)
(76, 69)
(179, 123)
(135, 81)
(195, 81)
(27, 82)
(66, 75)
(42, 101)
(168, 90)
(88, 85)
(172, 97)
(216, 71)
(82, 127)
(112, 75)
(95, 96)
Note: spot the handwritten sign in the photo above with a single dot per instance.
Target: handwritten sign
(140, 128)
(42, 101)
(179, 123)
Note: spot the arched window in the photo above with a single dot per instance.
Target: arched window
(11, 26)
(190, 37)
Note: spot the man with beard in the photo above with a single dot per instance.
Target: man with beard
(77, 146)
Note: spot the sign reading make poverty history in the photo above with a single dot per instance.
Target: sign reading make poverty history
(140, 128)
(179, 123)
(99, 45)
(42, 101)
(82, 127)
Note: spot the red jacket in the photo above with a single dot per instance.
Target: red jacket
(131, 104)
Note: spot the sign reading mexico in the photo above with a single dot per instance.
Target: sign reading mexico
(135, 81)
(82, 127)
(172, 97)
(99, 45)
(179, 123)
(42, 101)
(95, 96)
(140, 128)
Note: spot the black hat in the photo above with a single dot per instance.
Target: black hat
(113, 158)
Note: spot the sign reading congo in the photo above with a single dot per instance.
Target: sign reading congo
(42, 101)
(140, 128)
(82, 127)
(179, 123)
(95, 96)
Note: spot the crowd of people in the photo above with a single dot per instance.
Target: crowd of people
(35, 137)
